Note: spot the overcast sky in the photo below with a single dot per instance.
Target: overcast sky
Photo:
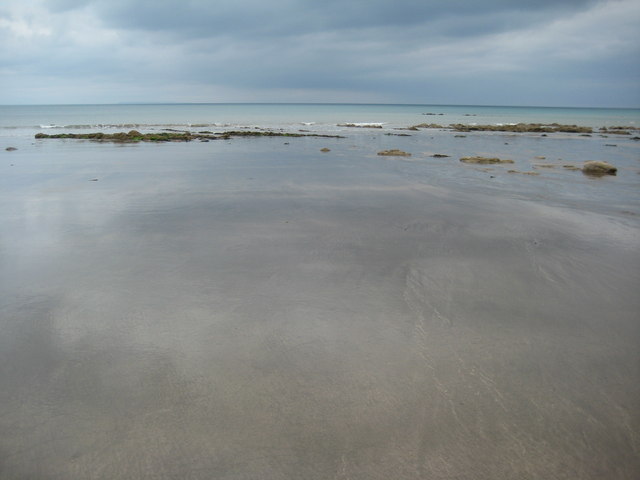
(489, 52)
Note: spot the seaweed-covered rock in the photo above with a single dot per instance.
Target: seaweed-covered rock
(134, 136)
(325, 149)
(484, 160)
(360, 125)
(598, 169)
(394, 153)
(522, 128)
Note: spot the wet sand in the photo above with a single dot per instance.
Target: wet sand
(255, 310)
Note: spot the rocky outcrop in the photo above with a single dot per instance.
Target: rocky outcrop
(360, 125)
(522, 128)
(394, 153)
(484, 160)
(598, 169)
(173, 136)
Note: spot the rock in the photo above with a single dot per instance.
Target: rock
(617, 130)
(523, 173)
(540, 157)
(11, 149)
(522, 128)
(394, 153)
(360, 125)
(439, 155)
(135, 136)
(571, 167)
(325, 149)
(484, 160)
(598, 169)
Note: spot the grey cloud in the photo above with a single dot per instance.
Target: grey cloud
(286, 17)
(411, 51)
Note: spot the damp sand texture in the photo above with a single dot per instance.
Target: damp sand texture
(276, 312)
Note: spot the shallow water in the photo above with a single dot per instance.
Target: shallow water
(250, 309)
(19, 119)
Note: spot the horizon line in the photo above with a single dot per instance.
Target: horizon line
(311, 103)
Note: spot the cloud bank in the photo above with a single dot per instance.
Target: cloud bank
(505, 52)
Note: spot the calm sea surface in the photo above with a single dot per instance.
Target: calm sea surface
(23, 120)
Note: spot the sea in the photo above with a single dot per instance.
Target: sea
(26, 120)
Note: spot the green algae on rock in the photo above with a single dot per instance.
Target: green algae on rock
(394, 153)
(522, 128)
(484, 160)
(134, 136)
(425, 125)
(360, 125)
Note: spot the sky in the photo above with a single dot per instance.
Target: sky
(490, 52)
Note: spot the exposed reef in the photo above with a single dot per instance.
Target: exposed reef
(425, 125)
(619, 130)
(522, 128)
(360, 125)
(394, 153)
(134, 136)
(484, 160)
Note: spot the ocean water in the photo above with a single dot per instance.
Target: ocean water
(25, 120)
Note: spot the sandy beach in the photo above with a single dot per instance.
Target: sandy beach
(257, 308)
